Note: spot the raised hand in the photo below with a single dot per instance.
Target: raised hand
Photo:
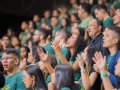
(43, 56)
(100, 60)
(56, 47)
(53, 78)
(30, 58)
(80, 61)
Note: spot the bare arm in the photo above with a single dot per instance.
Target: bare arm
(106, 81)
(87, 80)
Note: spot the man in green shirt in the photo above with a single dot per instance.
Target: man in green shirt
(102, 14)
(13, 77)
(84, 14)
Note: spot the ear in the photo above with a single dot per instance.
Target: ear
(33, 77)
(16, 61)
(115, 40)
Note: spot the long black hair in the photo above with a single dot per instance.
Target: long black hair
(64, 77)
(34, 69)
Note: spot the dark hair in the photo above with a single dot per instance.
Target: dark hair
(64, 76)
(116, 29)
(79, 46)
(91, 51)
(86, 7)
(2, 79)
(11, 51)
(52, 60)
(6, 36)
(67, 21)
(17, 39)
(45, 32)
(99, 22)
(34, 69)
(27, 51)
(82, 31)
(102, 6)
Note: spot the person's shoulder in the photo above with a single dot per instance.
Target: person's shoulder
(65, 88)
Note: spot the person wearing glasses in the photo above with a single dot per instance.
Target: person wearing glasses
(95, 33)
(13, 77)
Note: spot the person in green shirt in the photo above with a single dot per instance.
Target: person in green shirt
(55, 26)
(84, 14)
(102, 14)
(44, 34)
(61, 37)
(13, 77)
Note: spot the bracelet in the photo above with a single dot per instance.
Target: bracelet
(104, 75)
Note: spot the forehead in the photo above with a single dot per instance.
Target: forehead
(93, 22)
(5, 38)
(37, 32)
(110, 32)
(118, 12)
(5, 54)
(96, 10)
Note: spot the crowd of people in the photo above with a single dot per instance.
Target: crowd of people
(75, 48)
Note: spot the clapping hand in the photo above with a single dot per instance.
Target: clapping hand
(100, 60)
(43, 56)
(56, 47)
(81, 61)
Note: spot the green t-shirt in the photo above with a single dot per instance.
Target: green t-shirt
(57, 28)
(77, 74)
(65, 52)
(49, 49)
(65, 88)
(14, 82)
(1, 52)
(108, 22)
(85, 22)
(47, 80)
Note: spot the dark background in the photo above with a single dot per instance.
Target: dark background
(13, 12)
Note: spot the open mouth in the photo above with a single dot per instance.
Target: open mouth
(5, 66)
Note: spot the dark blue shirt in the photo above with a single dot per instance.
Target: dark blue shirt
(98, 43)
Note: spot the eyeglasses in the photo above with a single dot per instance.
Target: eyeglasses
(6, 58)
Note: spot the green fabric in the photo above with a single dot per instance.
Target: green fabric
(14, 82)
(38, 24)
(48, 21)
(18, 51)
(49, 49)
(68, 29)
(55, 30)
(1, 52)
(85, 22)
(108, 22)
(77, 74)
(47, 80)
(65, 88)
(109, 58)
(23, 38)
(72, 11)
(65, 52)
(116, 4)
